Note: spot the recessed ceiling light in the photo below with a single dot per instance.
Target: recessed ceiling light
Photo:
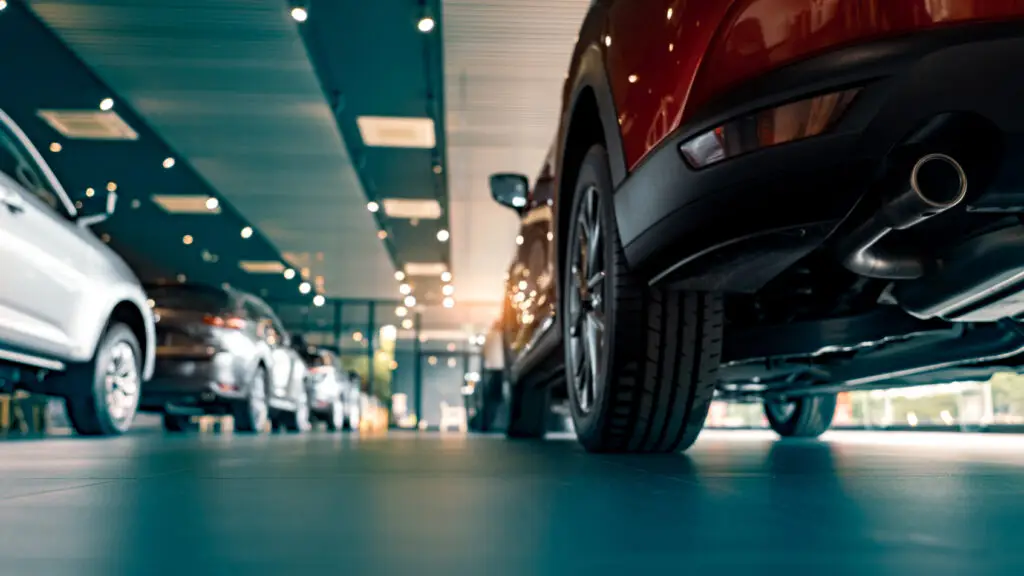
(182, 278)
(55, 147)
(438, 169)
(212, 203)
(446, 276)
(397, 132)
(357, 336)
(401, 311)
(632, 78)
(247, 232)
(405, 288)
(319, 300)
(168, 162)
(299, 14)
(88, 124)
(304, 288)
(425, 268)
(448, 302)
(106, 104)
(289, 274)
(442, 235)
(409, 209)
(407, 324)
(177, 204)
(399, 275)
(372, 206)
(187, 239)
(447, 289)
(382, 234)
(519, 240)
(426, 24)
(111, 186)
(90, 192)
(410, 301)
(3, 4)
(261, 266)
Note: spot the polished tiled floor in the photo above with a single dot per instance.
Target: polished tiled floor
(740, 503)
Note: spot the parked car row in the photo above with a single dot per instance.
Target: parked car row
(76, 323)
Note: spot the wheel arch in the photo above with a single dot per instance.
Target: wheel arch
(592, 118)
(128, 313)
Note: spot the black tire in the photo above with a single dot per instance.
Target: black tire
(529, 409)
(179, 423)
(658, 351)
(296, 421)
(332, 420)
(807, 417)
(89, 406)
(252, 414)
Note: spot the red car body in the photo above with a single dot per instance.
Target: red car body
(745, 137)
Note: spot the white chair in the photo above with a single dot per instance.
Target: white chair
(453, 416)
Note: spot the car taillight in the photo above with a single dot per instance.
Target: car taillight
(231, 322)
(770, 127)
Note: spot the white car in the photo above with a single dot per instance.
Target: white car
(333, 394)
(73, 317)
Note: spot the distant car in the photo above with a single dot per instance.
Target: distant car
(223, 351)
(73, 316)
(327, 387)
(355, 402)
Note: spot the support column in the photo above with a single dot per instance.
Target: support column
(417, 375)
(371, 334)
(337, 325)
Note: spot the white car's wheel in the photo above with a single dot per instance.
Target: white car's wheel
(109, 386)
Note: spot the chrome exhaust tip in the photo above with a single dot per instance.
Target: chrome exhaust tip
(939, 181)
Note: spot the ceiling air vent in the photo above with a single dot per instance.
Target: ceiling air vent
(89, 124)
(396, 132)
(261, 267)
(412, 209)
(177, 204)
(425, 268)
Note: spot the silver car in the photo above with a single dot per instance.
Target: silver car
(73, 317)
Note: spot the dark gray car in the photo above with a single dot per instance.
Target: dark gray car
(222, 351)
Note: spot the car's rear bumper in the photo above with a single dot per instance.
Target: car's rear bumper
(192, 383)
(767, 208)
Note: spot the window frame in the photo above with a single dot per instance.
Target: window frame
(11, 129)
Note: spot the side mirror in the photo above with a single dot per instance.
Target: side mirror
(510, 190)
(87, 219)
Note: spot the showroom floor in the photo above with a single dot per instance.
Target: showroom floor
(741, 503)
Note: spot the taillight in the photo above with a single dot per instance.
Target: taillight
(230, 322)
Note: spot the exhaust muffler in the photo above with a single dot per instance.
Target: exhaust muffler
(937, 183)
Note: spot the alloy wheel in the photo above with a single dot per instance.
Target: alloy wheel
(586, 301)
(121, 384)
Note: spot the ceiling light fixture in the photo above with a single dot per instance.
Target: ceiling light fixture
(519, 240)
(373, 207)
(168, 162)
(382, 234)
(187, 239)
(405, 288)
(90, 192)
(3, 4)
(299, 14)
(426, 24)
(388, 332)
(407, 324)
(289, 274)
(247, 232)
(410, 301)
(399, 275)
(401, 311)
(357, 336)
(304, 288)
(212, 203)
(448, 302)
(442, 235)
(111, 186)
(55, 147)
(319, 300)
(106, 104)
(446, 276)
(447, 289)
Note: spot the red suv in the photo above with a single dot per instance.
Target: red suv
(769, 201)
